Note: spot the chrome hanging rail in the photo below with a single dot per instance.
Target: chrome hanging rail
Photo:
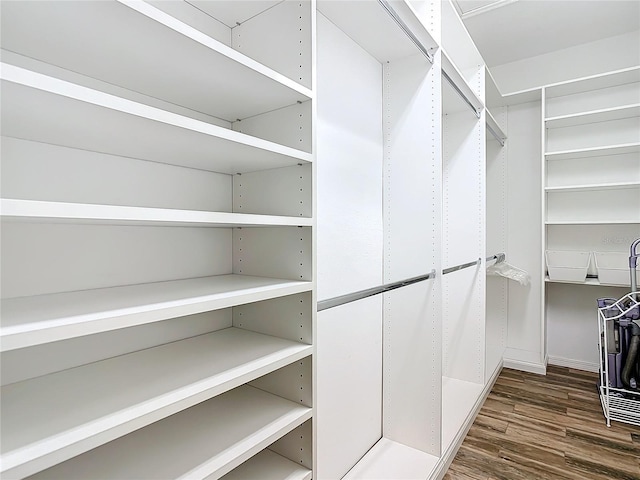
(461, 93)
(495, 135)
(352, 297)
(498, 257)
(423, 49)
(461, 267)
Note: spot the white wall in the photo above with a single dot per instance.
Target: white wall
(609, 54)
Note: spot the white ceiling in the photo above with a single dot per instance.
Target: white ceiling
(510, 30)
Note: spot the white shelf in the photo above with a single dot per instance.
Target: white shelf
(591, 222)
(268, 465)
(594, 151)
(52, 418)
(181, 64)
(594, 82)
(123, 215)
(594, 116)
(207, 440)
(589, 281)
(458, 400)
(375, 30)
(595, 186)
(449, 68)
(391, 460)
(33, 105)
(28, 321)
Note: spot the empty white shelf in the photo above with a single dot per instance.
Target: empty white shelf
(50, 419)
(28, 321)
(268, 465)
(123, 215)
(152, 53)
(33, 105)
(595, 186)
(591, 222)
(209, 439)
(594, 82)
(594, 116)
(594, 151)
(588, 281)
(388, 459)
(458, 400)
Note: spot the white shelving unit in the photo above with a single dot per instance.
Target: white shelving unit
(592, 161)
(158, 239)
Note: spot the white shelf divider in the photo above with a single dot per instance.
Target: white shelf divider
(28, 321)
(594, 151)
(594, 116)
(205, 441)
(33, 104)
(246, 88)
(268, 465)
(124, 215)
(595, 186)
(49, 419)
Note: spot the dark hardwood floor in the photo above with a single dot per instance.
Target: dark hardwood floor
(546, 428)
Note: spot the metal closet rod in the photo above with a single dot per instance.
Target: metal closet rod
(461, 93)
(461, 267)
(495, 135)
(423, 49)
(352, 297)
(498, 257)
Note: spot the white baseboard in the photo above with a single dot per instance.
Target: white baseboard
(447, 457)
(570, 363)
(525, 360)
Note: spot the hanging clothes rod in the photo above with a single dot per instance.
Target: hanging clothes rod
(461, 93)
(498, 257)
(461, 267)
(495, 135)
(352, 297)
(423, 49)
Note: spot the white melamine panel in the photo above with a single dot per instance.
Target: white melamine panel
(24, 363)
(618, 98)
(41, 258)
(459, 46)
(594, 170)
(81, 213)
(623, 205)
(463, 188)
(593, 116)
(39, 171)
(371, 27)
(458, 399)
(282, 191)
(572, 327)
(286, 317)
(268, 465)
(620, 149)
(389, 459)
(108, 399)
(81, 30)
(292, 382)
(279, 37)
(279, 252)
(525, 221)
(350, 168)
(206, 441)
(412, 168)
(471, 91)
(232, 12)
(290, 126)
(297, 445)
(591, 238)
(593, 86)
(32, 105)
(412, 366)
(34, 320)
(594, 135)
(463, 332)
(349, 385)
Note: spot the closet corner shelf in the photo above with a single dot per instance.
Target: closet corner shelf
(593, 82)
(588, 281)
(199, 63)
(268, 465)
(29, 321)
(34, 210)
(595, 186)
(32, 104)
(111, 398)
(594, 116)
(207, 440)
(594, 151)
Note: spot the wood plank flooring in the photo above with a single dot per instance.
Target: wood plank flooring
(534, 427)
